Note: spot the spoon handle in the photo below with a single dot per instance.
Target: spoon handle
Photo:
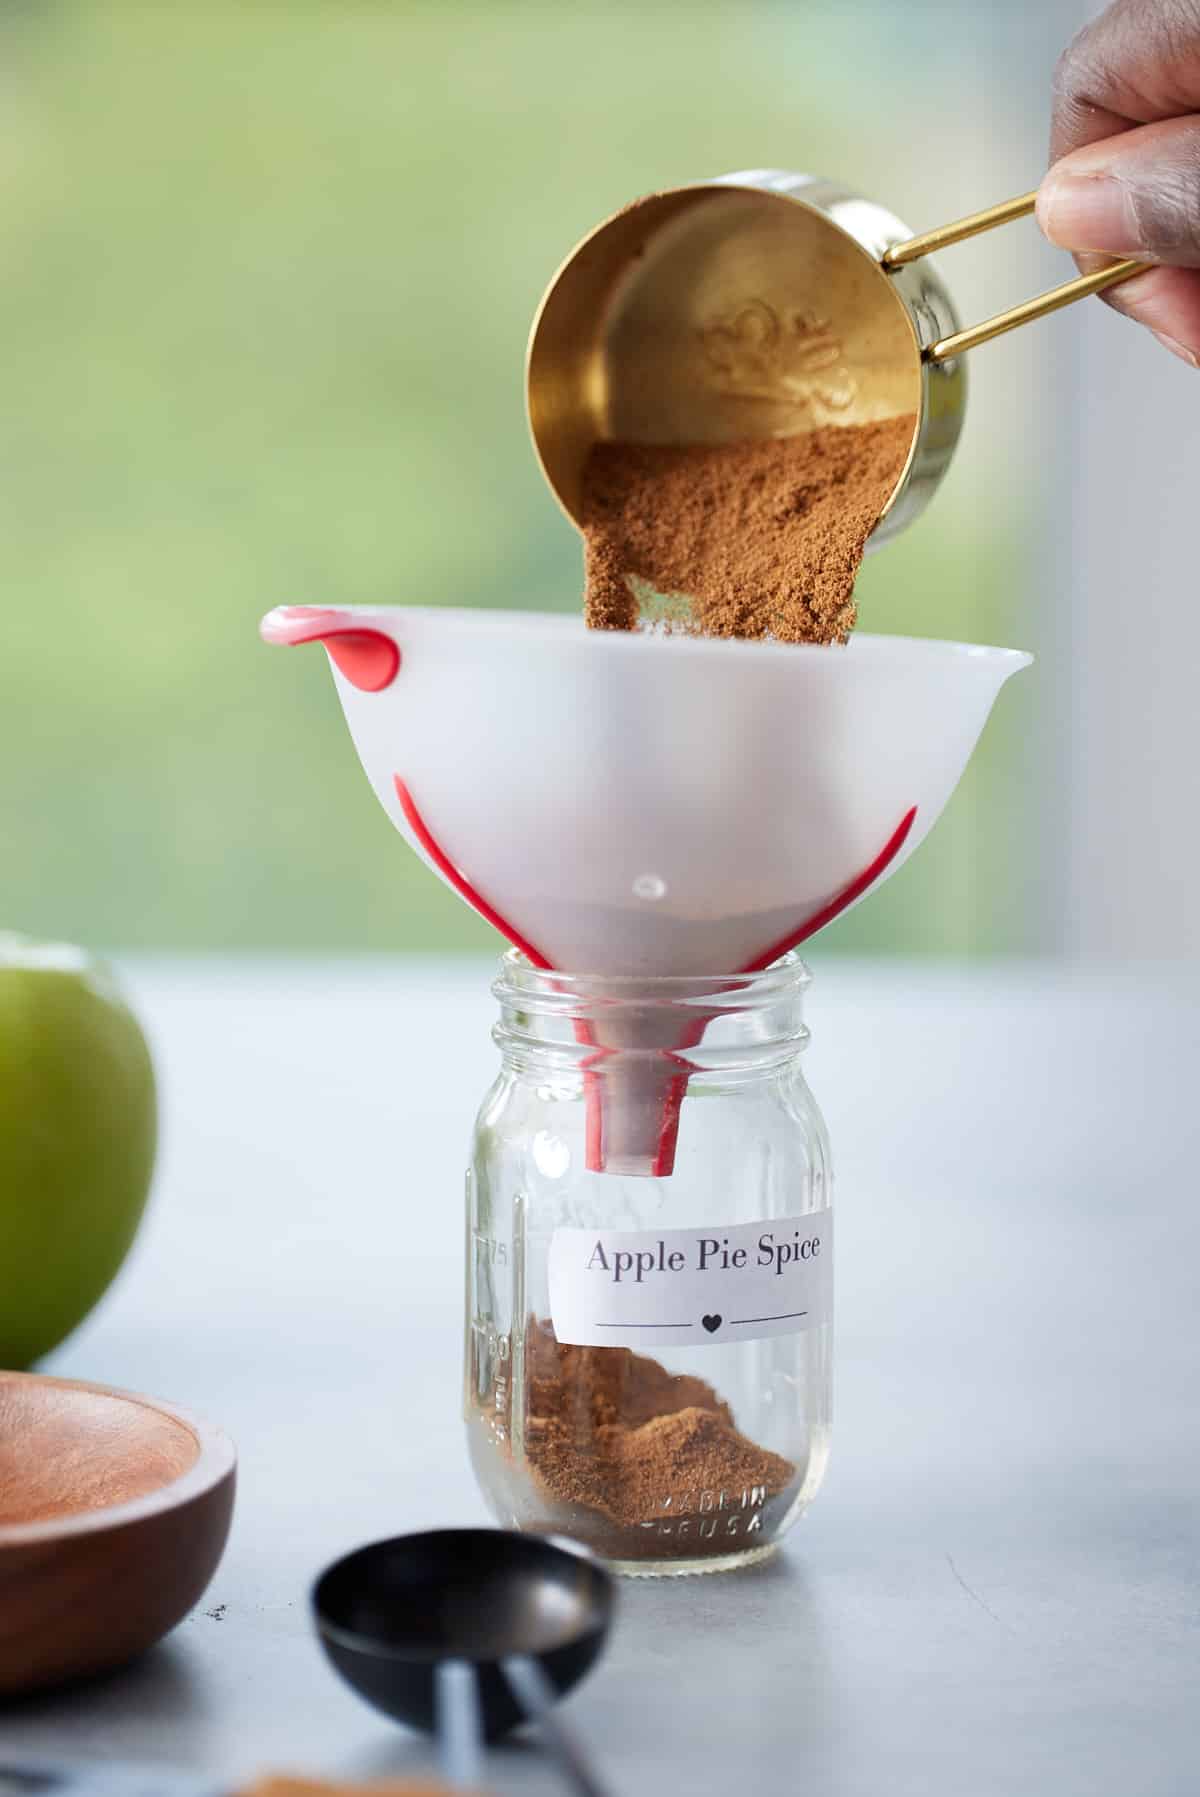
(537, 1697)
(459, 1725)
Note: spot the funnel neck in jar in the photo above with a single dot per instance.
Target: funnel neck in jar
(635, 1042)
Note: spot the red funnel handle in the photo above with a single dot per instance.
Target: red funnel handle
(368, 658)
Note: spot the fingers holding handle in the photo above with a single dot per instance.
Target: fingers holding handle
(1125, 160)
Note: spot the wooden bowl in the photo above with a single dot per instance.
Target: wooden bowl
(114, 1511)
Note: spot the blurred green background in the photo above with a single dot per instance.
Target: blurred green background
(266, 274)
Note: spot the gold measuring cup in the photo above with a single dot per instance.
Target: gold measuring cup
(761, 305)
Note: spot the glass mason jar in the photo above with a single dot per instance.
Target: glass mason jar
(649, 1266)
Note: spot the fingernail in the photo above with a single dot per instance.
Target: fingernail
(1086, 212)
(1190, 356)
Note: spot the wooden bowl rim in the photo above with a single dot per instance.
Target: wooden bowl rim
(215, 1462)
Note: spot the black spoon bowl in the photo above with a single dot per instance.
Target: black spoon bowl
(391, 1613)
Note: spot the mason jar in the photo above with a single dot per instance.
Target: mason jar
(649, 1266)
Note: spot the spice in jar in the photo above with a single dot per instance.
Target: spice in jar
(751, 539)
(640, 1459)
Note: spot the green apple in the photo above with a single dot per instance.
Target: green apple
(78, 1123)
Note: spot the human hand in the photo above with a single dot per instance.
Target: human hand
(1124, 178)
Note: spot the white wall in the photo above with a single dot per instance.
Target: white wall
(1130, 883)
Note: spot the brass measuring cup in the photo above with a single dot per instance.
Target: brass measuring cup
(760, 305)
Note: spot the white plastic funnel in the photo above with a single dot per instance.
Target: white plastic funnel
(648, 804)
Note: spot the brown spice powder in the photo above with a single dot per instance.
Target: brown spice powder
(615, 1432)
(288, 1786)
(750, 539)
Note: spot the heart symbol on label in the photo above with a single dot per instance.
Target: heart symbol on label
(712, 1324)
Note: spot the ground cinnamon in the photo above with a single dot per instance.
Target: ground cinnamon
(750, 539)
(287, 1786)
(617, 1434)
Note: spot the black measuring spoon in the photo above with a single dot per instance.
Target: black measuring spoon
(465, 1633)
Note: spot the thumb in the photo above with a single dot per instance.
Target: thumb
(1134, 194)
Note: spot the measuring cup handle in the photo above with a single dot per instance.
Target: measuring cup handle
(537, 1697)
(942, 236)
(459, 1725)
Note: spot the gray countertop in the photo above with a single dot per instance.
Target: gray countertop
(995, 1592)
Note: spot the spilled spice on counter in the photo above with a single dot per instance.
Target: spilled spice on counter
(750, 539)
(618, 1434)
(286, 1785)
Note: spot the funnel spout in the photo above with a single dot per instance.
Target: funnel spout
(639, 1043)
(633, 1116)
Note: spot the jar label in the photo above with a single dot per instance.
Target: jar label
(627, 1288)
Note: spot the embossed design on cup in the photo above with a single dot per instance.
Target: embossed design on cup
(790, 358)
